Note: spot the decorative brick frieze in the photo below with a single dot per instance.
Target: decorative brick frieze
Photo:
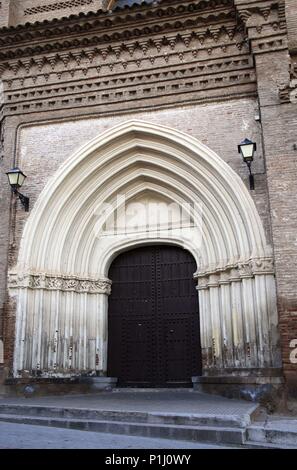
(267, 31)
(165, 48)
(167, 52)
(171, 33)
(265, 23)
(147, 20)
(220, 76)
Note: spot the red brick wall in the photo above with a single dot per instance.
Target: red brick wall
(6, 242)
(4, 12)
(291, 18)
(280, 138)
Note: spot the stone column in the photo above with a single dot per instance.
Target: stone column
(61, 325)
(227, 331)
(237, 319)
(248, 311)
(215, 314)
(104, 332)
(205, 323)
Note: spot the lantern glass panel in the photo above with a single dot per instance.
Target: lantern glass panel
(16, 178)
(22, 178)
(247, 151)
(13, 178)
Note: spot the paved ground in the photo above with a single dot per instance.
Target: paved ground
(23, 436)
(281, 429)
(177, 401)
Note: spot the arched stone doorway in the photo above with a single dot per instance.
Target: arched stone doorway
(61, 283)
(153, 318)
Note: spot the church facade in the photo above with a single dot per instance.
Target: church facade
(149, 253)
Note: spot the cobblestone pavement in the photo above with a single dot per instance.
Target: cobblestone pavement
(23, 436)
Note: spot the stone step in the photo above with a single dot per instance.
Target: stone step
(262, 445)
(282, 432)
(214, 435)
(150, 417)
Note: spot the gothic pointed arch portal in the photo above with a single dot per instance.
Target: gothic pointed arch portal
(72, 236)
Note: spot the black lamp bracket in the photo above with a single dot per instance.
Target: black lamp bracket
(251, 176)
(24, 199)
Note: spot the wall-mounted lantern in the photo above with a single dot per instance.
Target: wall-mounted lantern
(247, 150)
(16, 180)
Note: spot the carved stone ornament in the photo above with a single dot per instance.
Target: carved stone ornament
(262, 266)
(62, 283)
(236, 272)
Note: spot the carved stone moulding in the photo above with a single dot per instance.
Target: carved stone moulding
(60, 283)
(214, 277)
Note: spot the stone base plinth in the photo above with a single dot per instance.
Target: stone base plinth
(32, 386)
(100, 383)
(269, 391)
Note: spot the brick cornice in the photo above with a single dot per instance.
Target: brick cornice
(195, 50)
(265, 23)
(59, 62)
(161, 10)
(103, 28)
(268, 30)
(261, 18)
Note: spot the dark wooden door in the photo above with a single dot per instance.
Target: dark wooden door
(153, 320)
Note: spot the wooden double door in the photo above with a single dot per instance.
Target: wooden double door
(153, 321)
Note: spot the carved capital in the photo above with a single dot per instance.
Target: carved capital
(245, 270)
(262, 266)
(234, 273)
(60, 283)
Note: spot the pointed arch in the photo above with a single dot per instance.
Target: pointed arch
(61, 276)
(131, 153)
